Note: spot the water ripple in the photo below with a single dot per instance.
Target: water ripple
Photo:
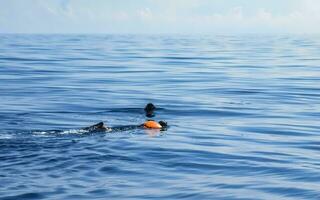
(243, 116)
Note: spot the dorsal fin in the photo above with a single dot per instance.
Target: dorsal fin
(96, 127)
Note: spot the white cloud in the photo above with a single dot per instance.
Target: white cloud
(145, 13)
(304, 19)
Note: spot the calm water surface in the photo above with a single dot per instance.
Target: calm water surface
(244, 116)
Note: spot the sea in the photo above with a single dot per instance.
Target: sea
(243, 114)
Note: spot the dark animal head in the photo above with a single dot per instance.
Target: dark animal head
(164, 125)
(149, 109)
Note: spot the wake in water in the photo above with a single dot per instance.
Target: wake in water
(102, 128)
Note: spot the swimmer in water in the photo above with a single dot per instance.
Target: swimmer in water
(149, 109)
(148, 124)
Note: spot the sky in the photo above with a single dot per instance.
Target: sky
(160, 16)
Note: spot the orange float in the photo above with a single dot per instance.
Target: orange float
(152, 124)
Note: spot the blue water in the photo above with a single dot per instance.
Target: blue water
(243, 111)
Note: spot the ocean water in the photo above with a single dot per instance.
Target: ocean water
(243, 111)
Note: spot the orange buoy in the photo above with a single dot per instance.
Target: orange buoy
(152, 124)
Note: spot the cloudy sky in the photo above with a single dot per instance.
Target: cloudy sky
(160, 16)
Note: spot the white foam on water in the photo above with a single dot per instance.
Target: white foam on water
(5, 136)
(40, 132)
(74, 131)
(71, 131)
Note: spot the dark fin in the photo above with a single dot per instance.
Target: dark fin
(96, 127)
(149, 109)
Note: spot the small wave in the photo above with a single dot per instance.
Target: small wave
(32, 195)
